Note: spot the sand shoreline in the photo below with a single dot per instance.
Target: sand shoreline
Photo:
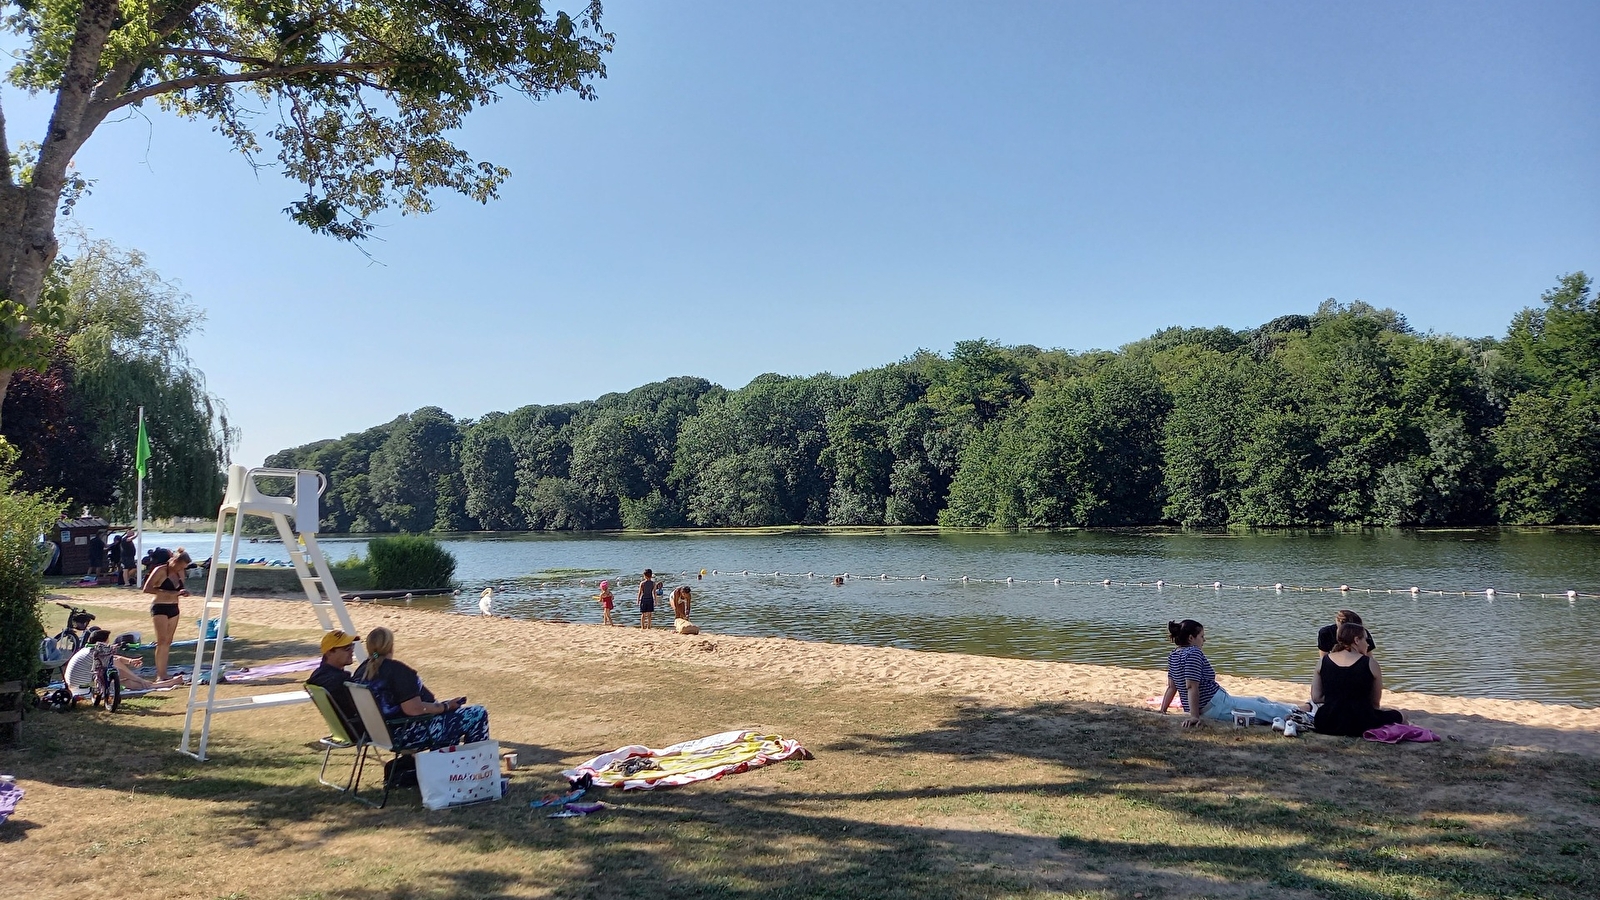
(508, 644)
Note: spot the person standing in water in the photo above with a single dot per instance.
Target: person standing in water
(647, 599)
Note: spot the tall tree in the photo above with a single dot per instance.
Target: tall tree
(120, 337)
(406, 470)
(368, 92)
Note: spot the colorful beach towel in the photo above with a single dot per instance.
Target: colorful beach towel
(639, 768)
(1394, 734)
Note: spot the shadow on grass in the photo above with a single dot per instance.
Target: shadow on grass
(1338, 816)
(1066, 797)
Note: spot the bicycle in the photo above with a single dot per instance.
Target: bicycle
(73, 634)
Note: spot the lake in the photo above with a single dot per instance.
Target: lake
(1528, 647)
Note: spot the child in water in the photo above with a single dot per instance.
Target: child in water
(607, 601)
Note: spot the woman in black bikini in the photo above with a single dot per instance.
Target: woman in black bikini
(166, 583)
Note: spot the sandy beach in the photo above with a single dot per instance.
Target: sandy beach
(508, 645)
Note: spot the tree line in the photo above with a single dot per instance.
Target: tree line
(1344, 417)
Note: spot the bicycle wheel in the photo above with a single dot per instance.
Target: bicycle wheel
(68, 642)
(114, 690)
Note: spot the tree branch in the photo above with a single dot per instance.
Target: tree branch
(103, 107)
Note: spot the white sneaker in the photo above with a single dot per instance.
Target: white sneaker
(1290, 729)
(1277, 724)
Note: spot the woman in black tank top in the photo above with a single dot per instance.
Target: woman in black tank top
(166, 584)
(1349, 685)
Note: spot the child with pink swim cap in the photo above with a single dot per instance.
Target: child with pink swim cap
(607, 601)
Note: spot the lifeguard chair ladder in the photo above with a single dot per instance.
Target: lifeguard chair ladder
(244, 498)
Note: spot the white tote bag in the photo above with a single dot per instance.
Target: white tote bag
(465, 773)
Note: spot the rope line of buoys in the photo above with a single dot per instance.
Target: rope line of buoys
(1159, 584)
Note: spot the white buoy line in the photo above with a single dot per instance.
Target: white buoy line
(1159, 584)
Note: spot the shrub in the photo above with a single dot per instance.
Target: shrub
(23, 517)
(409, 561)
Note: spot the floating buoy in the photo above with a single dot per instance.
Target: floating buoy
(1488, 592)
(1278, 587)
(1344, 588)
(1216, 585)
(1106, 582)
(1416, 590)
(1572, 595)
(1058, 581)
(1008, 579)
(883, 577)
(811, 574)
(963, 579)
(922, 578)
(1159, 582)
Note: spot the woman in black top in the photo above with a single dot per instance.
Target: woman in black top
(166, 583)
(1349, 685)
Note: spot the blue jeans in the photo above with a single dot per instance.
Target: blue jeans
(459, 726)
(1223, 704)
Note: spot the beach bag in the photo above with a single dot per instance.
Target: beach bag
(684, 626)
(454, 776)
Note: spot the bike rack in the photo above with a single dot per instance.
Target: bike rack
(244, 498)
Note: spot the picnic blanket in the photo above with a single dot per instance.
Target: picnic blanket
(639, 768)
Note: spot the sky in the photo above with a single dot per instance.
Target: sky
(798, 188)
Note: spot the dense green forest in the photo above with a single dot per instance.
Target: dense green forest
(1347, 416)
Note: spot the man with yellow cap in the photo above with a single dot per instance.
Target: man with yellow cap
(338, 652)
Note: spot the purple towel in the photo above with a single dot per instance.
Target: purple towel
(1399, 731)
(10, 796)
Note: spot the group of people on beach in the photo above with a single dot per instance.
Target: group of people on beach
(1346, 688)
(650, 592)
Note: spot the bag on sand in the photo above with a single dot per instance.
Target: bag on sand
(684, 626)
(465, 773)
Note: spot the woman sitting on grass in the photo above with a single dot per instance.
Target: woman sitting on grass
(416, 720)
(1191, 678)
(1349, 685)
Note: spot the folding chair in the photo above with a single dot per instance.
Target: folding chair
(377, 737)
(340, 737)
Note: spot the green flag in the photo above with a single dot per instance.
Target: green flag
(141, 457)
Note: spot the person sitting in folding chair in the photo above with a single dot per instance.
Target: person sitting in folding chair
(416, 720)
(338, 652)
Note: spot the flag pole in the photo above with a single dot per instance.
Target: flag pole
(138, 520)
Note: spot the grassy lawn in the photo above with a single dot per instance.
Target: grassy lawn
(926, 797)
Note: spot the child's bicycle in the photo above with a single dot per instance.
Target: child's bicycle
(105, 689)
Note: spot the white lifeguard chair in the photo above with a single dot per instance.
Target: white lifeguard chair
(245, 498)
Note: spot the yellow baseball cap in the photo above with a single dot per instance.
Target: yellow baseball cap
(335, 639)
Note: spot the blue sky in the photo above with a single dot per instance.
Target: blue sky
(798, 188)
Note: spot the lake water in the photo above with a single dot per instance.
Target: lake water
(1532, 647)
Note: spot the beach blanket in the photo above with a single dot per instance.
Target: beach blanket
(1394, 734)
(639, 768)
(10, 796)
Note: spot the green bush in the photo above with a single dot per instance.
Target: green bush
(408, 561)
(23, 517)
